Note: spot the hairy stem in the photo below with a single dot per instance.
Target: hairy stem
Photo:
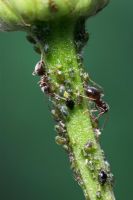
(78, 134)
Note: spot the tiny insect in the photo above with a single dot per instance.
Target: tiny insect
(30, 39)
(44, 81)
(45, 86)
(81, 36)
(60, 140)
(56, 115)
(60, 128)
(70, 104)
(95, 95)
(89, 147)
(39, 69)
(102, 177)
(53, 7)
(64, 111)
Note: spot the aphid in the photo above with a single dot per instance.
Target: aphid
(98, 194)
(89, 147)
(111, 179)
(39, 69)
(97, 133)
(44, 81)
(61, 128)
(37, 49)
(77, 176)
(66, 147)
(53, 7)
(38, 31)
(44, 84)
(91, 165)
(61, 90)
(102, 177)
(70, 104)
(72, 160)
(95, 95)
(85, 77)
(107, 166)
(56, 114)
(81, 36)
(61, 123)
(60, 76)
(64, 111)
(30, 39)
(60, 140)
(72, 73)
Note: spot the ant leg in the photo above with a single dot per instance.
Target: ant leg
(91, 111)
(101, 112)
(105, 121)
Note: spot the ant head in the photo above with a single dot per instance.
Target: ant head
(93, 92)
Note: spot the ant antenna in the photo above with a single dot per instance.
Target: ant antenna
(96, 84)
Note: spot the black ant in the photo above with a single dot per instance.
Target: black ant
(95, 95)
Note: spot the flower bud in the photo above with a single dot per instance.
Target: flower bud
(21, 14)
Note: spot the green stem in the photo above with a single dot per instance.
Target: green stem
(64, 69)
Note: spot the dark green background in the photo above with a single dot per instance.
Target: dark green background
(32, 166)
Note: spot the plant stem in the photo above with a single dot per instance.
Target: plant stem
(64, 69)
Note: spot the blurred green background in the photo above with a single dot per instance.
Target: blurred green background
(32, 166)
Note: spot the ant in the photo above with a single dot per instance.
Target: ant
(39, 69)
(95, 95)
(44, 82)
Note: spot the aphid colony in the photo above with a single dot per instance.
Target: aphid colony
(92, 93)
(63, 104)
(104, 175)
